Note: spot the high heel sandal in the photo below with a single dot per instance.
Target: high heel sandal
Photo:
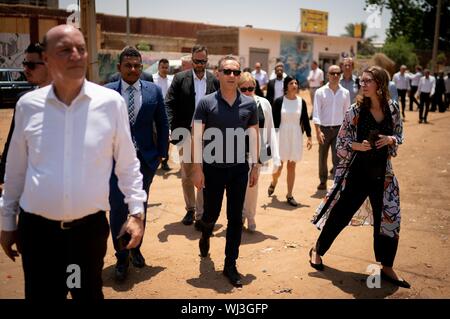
(271, 189)
(320, 266)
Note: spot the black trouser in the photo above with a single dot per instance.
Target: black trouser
(424, 100)
(48, 250)
(330, 133)
(402, 98)
(357, 189)
(234, 181)
(412, 97)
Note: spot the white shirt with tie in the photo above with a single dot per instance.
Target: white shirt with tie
(61, 157)
(137, 95)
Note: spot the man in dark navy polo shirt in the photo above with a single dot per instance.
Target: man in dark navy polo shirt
(226, 115)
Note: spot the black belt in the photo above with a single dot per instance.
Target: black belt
(66, 224)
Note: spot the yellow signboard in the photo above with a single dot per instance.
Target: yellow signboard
(314, 21)
(358, 30)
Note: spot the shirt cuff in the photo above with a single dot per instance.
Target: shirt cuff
(9, 223)
(135, 207)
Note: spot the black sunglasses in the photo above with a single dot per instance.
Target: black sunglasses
(228, 72)
(195, 61)
(31, 65)
(334, 73)
(250, 89)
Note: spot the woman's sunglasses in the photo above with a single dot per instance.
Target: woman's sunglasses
(250, 89)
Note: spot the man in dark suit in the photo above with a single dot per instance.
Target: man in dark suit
(275, 86)
(145, 106)
(186, 90)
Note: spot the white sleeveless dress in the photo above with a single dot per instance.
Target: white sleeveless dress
(290, 139)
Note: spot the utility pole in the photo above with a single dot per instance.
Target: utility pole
(89, 30)
(128, 22)
(436, 36)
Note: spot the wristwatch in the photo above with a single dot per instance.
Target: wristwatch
(138, 215)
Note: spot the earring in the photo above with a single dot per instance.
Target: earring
(379, 92)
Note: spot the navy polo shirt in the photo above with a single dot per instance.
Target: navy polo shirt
(218, 116)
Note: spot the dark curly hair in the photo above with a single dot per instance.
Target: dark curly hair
(381, 78)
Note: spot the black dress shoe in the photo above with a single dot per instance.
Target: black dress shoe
(188, 219)
(198, 225)
(233, 276)
(203, 244)
(400, 283)
(165, 166)
(121, 269)
(137, 259)
(318, 267)
(270, 190)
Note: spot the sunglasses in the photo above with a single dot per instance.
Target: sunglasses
(228, 72)
(250, 89)
(195, 61)
(31, 65)
(334, 73)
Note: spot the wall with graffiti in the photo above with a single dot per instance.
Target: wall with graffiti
(12, 48)
(296, 53)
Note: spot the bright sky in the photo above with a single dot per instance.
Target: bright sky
(265, 14)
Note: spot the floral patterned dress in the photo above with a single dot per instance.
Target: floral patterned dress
(390, 219)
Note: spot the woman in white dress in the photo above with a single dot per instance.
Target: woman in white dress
(291, 117)
(247, 85)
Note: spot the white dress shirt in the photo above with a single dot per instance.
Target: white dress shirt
(163, 83)
(199, 87)
(415, 78)
(426, 85)
(279, 89)
(401, 81)
(330, 107)
(137, 95)
(60, 158)
(315, 78)
(261, 77)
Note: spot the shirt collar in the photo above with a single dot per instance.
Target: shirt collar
(86, 90)
(196, 77)
(136, 85)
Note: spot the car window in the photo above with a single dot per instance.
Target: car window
(18, 76)
(3, 76)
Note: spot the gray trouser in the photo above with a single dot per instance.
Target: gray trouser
(193, 202)
(330, 133)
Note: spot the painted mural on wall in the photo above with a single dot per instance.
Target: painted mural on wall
(296, 53)
(12, 49)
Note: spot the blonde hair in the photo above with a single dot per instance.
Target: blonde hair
(245, 77)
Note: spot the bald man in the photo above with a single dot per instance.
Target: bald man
(66, 139)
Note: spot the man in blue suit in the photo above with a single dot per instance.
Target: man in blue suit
(145, 106)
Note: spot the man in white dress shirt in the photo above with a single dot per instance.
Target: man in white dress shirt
(163, 79)
(401, 81)
(315, 80)
(414, 78)
(57, 176)
(261, 76)
(425, 91)
(331, 102)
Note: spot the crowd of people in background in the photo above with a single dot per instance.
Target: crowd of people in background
(356, 116)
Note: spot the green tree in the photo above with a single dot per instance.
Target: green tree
(365, 45)
(400, 50)
(415, 21)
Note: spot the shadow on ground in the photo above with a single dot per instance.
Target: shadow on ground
(135, 276)
(213, 279)
(355, 283)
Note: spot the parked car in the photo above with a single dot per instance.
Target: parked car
(12, 83)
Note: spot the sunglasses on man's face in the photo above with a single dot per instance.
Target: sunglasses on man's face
(195, 61)
(31, 65)
(228, 72)
(250, 89)
(334, 73)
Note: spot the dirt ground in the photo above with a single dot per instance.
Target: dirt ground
(274, 259)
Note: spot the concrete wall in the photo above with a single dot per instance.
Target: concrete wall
(333, 45)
